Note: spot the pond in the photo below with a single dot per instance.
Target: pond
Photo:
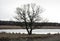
(36, 31)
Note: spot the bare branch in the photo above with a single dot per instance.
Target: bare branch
(29, 13)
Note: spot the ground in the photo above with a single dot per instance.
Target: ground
(25, 37)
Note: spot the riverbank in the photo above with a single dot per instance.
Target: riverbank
(25, 37)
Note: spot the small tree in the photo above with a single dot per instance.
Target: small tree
(29, 13)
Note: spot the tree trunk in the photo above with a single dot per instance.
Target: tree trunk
(30, 25)
(30, 32)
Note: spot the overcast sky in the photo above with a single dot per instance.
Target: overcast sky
(52, 8)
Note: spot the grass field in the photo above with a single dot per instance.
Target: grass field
(25, 37)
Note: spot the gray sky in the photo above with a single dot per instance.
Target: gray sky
(52, 8)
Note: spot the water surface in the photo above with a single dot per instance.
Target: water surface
(36, 31)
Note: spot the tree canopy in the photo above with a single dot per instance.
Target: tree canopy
(29, 13)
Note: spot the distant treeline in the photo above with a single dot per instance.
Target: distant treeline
(22, 23)
(11, 23)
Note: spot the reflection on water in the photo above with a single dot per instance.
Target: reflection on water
(36, 31)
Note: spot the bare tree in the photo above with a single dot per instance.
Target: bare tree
(29, 13)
